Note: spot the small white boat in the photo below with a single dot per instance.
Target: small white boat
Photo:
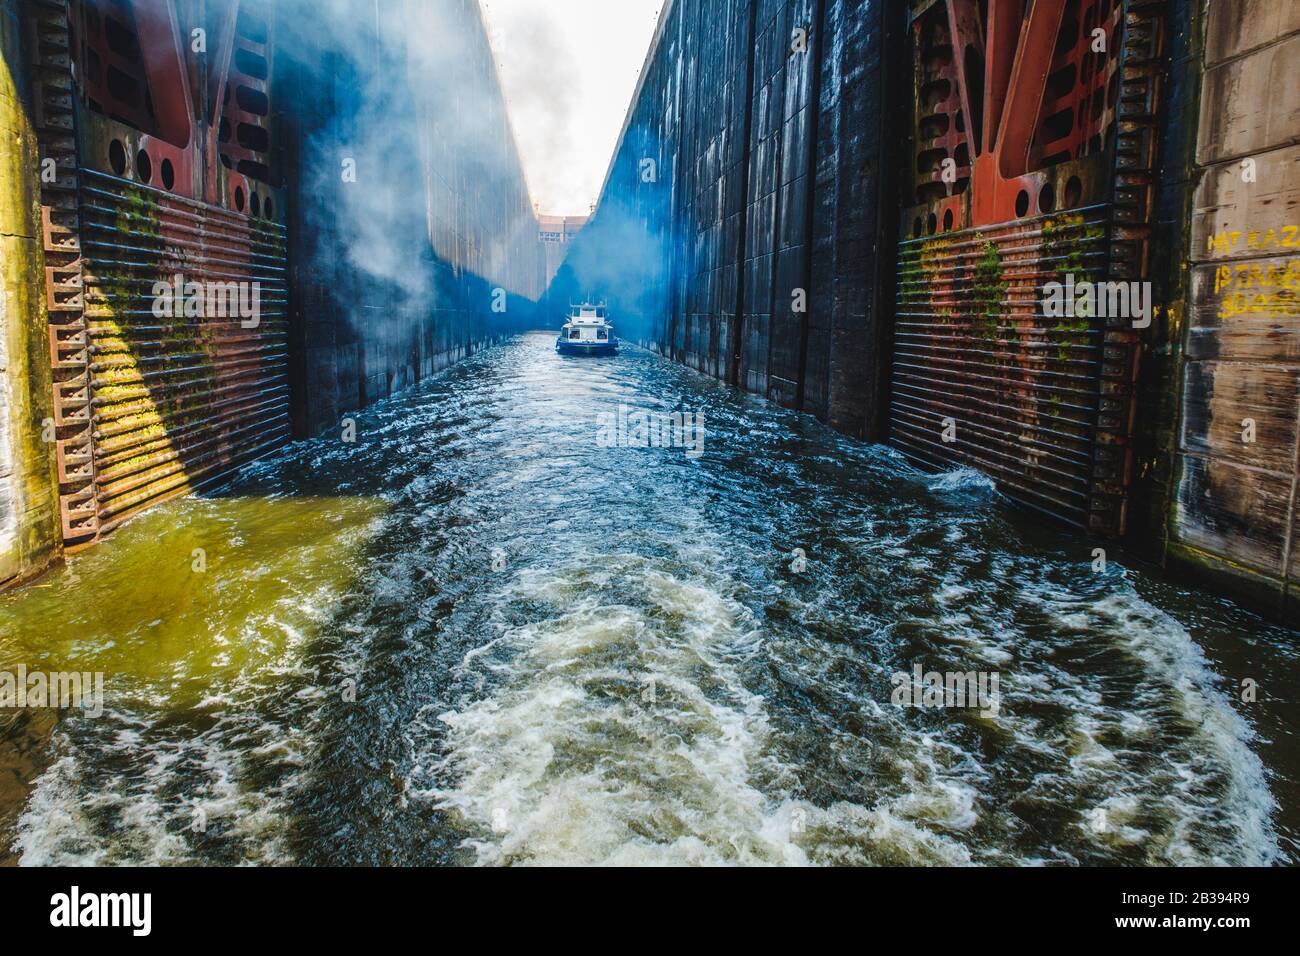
(587, 332)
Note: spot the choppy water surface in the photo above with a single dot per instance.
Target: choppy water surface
(568, 653)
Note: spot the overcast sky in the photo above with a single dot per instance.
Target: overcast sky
(569, 68)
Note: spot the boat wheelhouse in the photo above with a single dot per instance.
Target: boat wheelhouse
(587, 331)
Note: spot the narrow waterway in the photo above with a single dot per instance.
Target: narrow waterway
(478, 634)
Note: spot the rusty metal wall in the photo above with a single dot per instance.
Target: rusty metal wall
(176, 401)
(176, 154)
(1027, 154)
(1031, 154)
(47, 22)
(972, 348)
(162, 156)
(1234, 516)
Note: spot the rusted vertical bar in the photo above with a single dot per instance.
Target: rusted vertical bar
(69, 337)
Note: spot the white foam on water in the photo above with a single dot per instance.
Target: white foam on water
(1220, 744)
(134, 817)
(53, 826)
(1207, 788)
(619, 733)
(1182, 789)
(619, 724)
(962, 479)
(62, 822)
(561, 761)
(565, 761)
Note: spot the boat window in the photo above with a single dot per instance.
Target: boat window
(575, 334)
(602, 334)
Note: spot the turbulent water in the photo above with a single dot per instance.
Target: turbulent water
(479, 634)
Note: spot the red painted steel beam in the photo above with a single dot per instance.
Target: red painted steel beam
(162, 50)
(968, 54)
(1024, 100)
(1002, 68)
(219, 76)
(1002, 40)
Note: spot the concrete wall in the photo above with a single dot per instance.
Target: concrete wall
(1234, 510)
(739, 228)
(394, 276)
(28, 515)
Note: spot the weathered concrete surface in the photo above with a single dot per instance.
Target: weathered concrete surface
(1234, 511)
(746, 189)
(28, 515)
(438, 178)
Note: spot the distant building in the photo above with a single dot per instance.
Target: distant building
(556, 232)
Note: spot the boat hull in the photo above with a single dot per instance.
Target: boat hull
(568, 347)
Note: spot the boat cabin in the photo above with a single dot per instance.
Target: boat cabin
(587, 323)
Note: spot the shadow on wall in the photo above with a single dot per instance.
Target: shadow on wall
(745, 228)
(623, 256)
(409, 234)
(412, 235)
